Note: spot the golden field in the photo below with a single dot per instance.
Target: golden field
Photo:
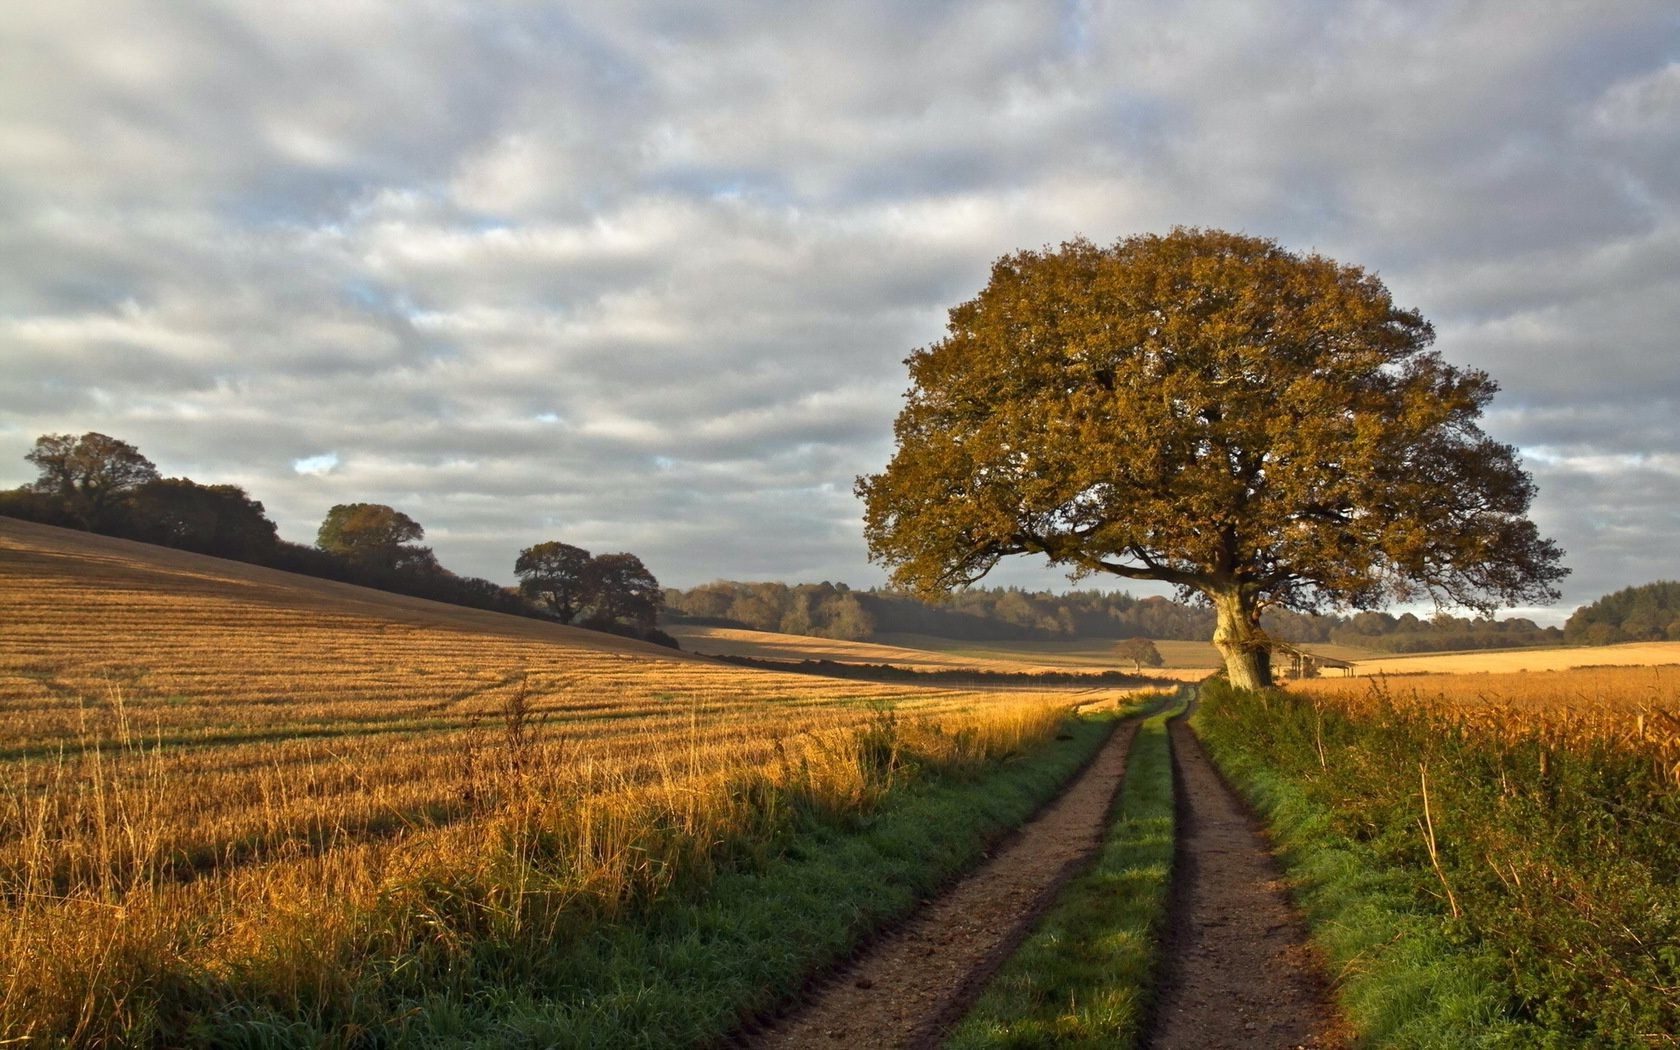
(770, 645)
(1562, 658)
(218, 768)
(1632, 706)
(1185, 661)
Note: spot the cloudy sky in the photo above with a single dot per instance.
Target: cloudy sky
(641, 275)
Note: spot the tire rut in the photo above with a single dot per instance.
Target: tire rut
(1238, 969)
(908, 987)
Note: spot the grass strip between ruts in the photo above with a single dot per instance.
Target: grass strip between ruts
(693, 970)
(1085, 975)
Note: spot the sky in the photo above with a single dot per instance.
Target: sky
(642, 275)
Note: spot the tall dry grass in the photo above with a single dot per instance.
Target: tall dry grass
(1526, 825)
(1636, 709)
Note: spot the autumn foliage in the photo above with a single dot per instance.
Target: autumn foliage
(1257, 427)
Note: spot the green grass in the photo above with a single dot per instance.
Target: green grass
(694, 967)
(1562, 861)
(1084, 977)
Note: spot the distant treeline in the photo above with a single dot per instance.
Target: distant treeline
(102, 484)
(833, 610)
(1409, 634)
(1650, 613)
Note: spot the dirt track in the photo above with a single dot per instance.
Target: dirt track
(909, 986)
(1239, 971)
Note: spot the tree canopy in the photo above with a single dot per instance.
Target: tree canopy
(1646, 613)
(620, 589)
(1141, 652)
(89, 474)
(603, 591)
(214, 519)
(374, 535)
(555, 574)
(1254, 426)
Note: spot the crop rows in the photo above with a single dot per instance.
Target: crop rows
(214, 770)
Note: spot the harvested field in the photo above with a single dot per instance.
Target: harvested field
(1633, 654)
(1639, 706)
(769, 645)
(215, 766)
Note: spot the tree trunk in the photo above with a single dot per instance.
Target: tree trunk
(1239, 639)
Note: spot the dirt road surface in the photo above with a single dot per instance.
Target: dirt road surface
(1239, 971)
(912, 984)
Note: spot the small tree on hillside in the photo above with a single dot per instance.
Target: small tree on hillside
(90, 474)
(1256, 427)
(620, 589)
(1141, 652)
(555, 574)
(375, 536)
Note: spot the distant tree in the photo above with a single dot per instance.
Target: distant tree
(759, 605)
(1141, 652)
(1645, 613)
(620, 589)
(89, 474)
(848, 620)
(1256, 427)
(799, 618)
(711, 600)
(372, 535)
(555, 574)
(211, 519)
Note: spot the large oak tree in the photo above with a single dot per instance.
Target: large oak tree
(1255, 426)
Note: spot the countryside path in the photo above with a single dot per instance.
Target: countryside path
(1239, 971)
(910, 985)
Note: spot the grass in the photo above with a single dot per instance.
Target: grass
(693, 969)
(1085, 975)
(686, 969)
(1477, 881)
(239, 798)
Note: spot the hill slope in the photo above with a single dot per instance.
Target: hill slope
(228, 786)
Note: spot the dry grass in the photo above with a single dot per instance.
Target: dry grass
(1636, 707)
(214, 773)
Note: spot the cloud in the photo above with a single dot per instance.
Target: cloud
(641, 275)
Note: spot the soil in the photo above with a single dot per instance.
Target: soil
(1239, 969)
(911, 985)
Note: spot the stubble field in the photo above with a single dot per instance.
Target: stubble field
(219, 775)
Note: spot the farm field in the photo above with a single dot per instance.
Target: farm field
(1633, 654)
(1608, 698)
(219, 769)
(1187, 661)
(1184, 660)
(769, 645)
